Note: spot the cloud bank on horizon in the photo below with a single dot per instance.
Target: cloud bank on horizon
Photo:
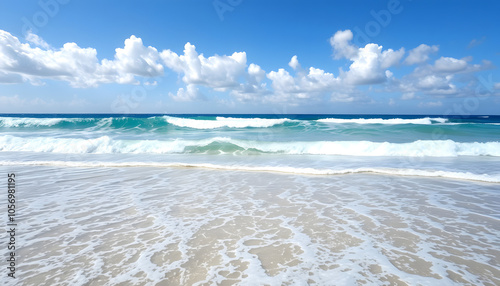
(35, 62)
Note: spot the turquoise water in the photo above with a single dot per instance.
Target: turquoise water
(460, 147)
(283, 128)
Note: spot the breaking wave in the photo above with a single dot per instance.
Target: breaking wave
(217, 145)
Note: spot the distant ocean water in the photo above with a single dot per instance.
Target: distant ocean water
(451, 146)
(254, 199)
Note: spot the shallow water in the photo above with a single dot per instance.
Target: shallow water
(195, 226)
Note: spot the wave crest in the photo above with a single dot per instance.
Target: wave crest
(217, 145)
(426, 121)
(30, 122)
(221, 122)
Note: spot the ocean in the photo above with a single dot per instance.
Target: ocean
(151, 199)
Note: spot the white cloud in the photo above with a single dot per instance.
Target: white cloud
(36, 40)
(9, 101)
(26, 61)
(408, 95)
(220, 73)
(191, 93)
(294, 63)
(254, 89)
(151, 83)
(449, 65)
(431, 83)
(310, 85)
(10, 78)
(342, 97)
(217, 72)
(369, 64)
(35, 61)
(420, 54)
(304, 85)
(431, 104)
(78, 66)
(342, 48)
(136, 59)
(438, 78)
(256, 73)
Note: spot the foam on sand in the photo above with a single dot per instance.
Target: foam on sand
(180, 226)
(272, 169)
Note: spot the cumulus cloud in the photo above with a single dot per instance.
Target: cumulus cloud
(22, 59)
(78, 66)
(10, 78)
(254, 88)
(342, 48)
(190, 93)
(217, 72)
(294, 63)
(35, 61)
(36, 40)
(438, 78)
(136, 59)
(450, 65)
(303, 85)
(420, 54)
(432, 84)
(436, 84)
(369, 64)
(256, 74)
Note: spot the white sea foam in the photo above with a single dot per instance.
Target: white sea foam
(29, 122)
(426, 120)
(176, 226)
(107, 145)
(273, 169)
(419, 148)
(220, 122)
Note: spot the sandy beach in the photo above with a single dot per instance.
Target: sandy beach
(195, 226)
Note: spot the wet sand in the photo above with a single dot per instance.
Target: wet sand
(187, 226)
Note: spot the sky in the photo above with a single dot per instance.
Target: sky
(250, 56)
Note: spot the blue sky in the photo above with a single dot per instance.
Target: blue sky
(242, 56)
